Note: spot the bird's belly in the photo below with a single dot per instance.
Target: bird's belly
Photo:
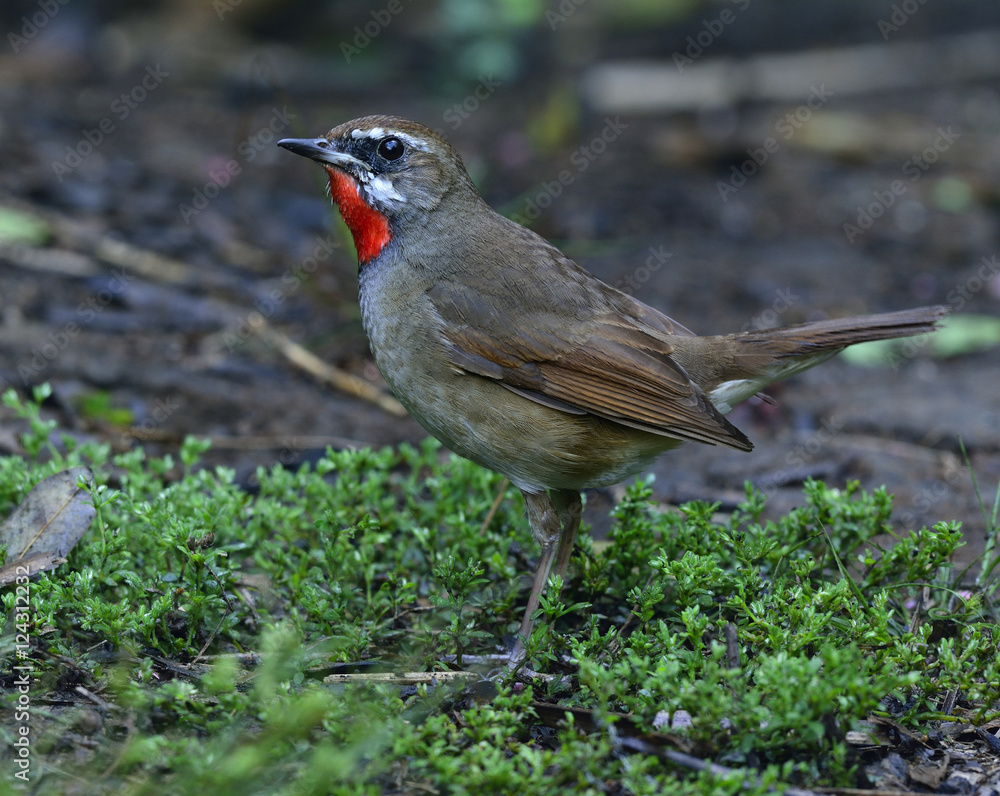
(535, 446)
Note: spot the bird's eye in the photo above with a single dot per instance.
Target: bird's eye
(390, 148)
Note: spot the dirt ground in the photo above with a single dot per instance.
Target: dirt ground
(172, 225)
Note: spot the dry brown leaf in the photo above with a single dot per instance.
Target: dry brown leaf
(28, 566)
(930, 775)
(49, 522)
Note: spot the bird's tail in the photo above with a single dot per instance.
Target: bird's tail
(746, 363)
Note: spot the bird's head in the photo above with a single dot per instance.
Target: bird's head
(385, 173)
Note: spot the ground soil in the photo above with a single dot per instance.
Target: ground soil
(148, 287)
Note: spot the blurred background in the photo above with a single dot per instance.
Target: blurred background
(738, 164)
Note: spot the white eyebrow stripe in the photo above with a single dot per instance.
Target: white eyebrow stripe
(416, 143)
(375, 132)
(380, 132)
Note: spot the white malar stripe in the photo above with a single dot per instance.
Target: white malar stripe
(381, 190)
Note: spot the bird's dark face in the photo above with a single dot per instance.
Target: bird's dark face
(385, 172)
(397, 164)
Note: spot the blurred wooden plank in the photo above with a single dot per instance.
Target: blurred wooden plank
(707, 82)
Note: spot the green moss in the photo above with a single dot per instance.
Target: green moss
(202, 619)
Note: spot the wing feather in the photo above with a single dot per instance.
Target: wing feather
(615, 364)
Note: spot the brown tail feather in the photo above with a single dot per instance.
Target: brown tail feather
(838, 333)
(731, 368)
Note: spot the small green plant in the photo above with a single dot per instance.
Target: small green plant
(461, 586)
(204, 619)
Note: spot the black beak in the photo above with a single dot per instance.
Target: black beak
(320, 150)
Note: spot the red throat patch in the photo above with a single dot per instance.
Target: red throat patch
(369, 228)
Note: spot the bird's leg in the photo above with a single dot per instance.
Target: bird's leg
(555, 519)
(545, 527)
(569, 506)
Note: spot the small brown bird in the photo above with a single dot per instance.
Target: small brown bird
(518, 359)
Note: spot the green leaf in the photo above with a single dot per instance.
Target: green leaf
(958, 335)
(23, 229)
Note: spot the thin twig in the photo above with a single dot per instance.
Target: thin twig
(496, 505)
(320, 370)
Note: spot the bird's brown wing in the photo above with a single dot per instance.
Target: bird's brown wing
(580, 347)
